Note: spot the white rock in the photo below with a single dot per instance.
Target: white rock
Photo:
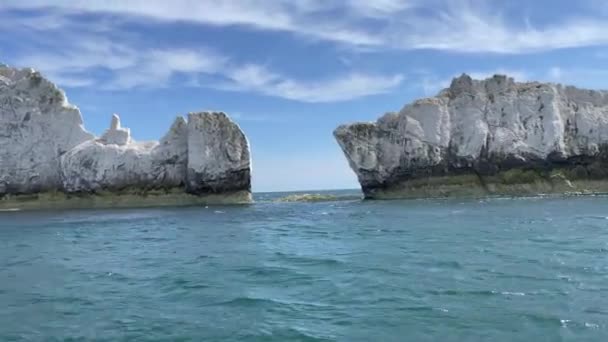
(218, 154)
(116, 134)
(44, 147)
(37, 125)
(481, 126)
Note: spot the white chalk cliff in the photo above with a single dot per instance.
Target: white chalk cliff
(482, 129)
(44, 147)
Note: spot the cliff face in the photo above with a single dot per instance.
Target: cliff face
(37, 125)
(44, 148)
(218, 155)
(494, 136)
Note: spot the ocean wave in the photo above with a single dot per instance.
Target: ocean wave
(592, 217)
(476, 293)
(568, 323)
(545, 319)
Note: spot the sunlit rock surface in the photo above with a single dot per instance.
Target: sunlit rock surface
(44, 148)
(218, 155)
(494, 136)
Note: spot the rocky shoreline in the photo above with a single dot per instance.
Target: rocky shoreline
(480, 138)
(49, 160)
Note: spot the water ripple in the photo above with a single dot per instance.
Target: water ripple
(497, 269)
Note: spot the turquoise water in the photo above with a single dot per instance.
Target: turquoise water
(533, 269)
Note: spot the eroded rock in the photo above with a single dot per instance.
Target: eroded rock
(218, 154)
(45, 148)
(37, 126)
(467, 137)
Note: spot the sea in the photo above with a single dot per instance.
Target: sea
(345, 269)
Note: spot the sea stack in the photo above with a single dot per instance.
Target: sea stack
(484, 137)
(49, 160)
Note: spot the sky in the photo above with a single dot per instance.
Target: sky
(290, 71)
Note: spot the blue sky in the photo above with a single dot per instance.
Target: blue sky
(289, 72)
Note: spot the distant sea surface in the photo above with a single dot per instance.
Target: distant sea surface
(526, 269)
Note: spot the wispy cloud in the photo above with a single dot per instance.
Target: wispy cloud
(82, 56)
(467, 26)
(344, 87)
(280, 15)
(122, 67)
(155, 68)
(93, 52)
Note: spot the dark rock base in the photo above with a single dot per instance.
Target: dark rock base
(135, 199)
(513, 182)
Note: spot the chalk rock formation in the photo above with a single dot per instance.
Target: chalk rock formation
(494, 136)
(37, 125)
(115, 161)
(45, 148)
(218, 155)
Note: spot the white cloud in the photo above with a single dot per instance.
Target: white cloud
(82, 56)
(156, 67)
(471, 32)
(379, 8)
(74, 82)
(184, 60)
(279, 15)
(344, 87)
(126, 61)
(452, 25)
(130, 67)
(94, 53)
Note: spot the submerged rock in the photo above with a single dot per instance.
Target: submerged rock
(317, 198)
(494, 136)
(44, 149)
